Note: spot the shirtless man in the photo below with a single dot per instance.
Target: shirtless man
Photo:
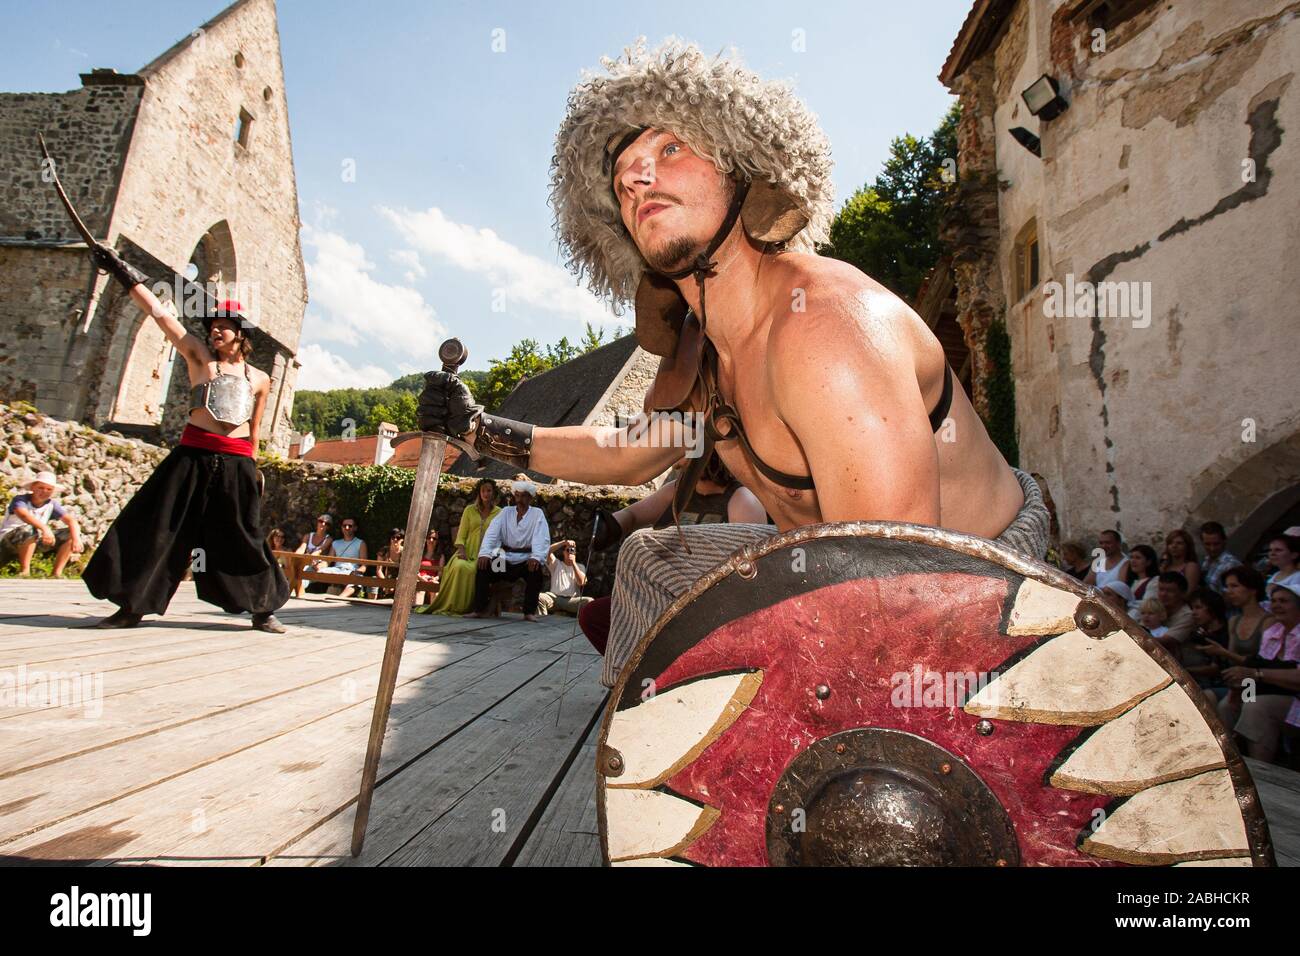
(200, 510)
(848, 406)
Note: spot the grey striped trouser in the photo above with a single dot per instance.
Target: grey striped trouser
(654, 570)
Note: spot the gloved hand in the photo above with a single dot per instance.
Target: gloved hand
(607, 532)
(446, 405)
(107, 259)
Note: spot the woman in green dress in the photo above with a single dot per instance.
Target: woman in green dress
(456, 590)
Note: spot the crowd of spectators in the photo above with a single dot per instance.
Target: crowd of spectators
(1233, 625)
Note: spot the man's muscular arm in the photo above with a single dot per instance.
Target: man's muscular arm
(844, 380)
(585, 453)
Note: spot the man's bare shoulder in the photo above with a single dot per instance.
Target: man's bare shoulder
(834, 310)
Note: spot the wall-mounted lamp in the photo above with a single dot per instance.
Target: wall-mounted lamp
(1028, 140)
(1043, 97)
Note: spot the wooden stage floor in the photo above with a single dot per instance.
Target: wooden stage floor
(194, 740)
(209, 743)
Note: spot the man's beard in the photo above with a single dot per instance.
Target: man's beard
(676, 250)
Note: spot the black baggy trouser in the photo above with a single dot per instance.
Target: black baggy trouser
(199, 510)
(484, 580)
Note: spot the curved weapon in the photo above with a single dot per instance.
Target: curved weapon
(63, 196)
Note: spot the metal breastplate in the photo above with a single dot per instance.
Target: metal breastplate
(228, 398)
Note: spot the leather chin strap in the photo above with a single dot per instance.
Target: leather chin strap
(702, 268)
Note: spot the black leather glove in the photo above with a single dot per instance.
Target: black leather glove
(607, 532)
(446, 405)
(107, 259)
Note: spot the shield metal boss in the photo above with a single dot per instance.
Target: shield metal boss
(872, 693)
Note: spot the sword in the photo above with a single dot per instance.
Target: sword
(432, 447)
(58, 187)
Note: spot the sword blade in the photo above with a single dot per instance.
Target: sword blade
(408, 573)
(58, 187)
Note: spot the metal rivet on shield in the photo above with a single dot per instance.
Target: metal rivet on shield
(612, 762)
(946, 768)
(779, 808)
(1090, 621)
(746, 570)
(984, 728)
(822, 691)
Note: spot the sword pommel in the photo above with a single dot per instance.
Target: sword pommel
(452, 353)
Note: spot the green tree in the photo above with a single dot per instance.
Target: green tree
(890, 228)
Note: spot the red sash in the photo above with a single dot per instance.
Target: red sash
(196, 437)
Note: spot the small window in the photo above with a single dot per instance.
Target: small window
(1108, 14)
(266, 94)
(239, 60)
(243, 128)
(1026, 260)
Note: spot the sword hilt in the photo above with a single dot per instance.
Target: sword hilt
(452, 353)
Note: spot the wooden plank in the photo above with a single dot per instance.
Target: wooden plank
(44, 737)
(248, 804)
(568, 833)
(488, 822)
(412, 800)
(43, 797)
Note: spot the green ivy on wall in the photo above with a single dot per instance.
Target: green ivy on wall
(1001, 420)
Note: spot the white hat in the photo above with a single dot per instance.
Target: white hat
(527, 487)
(1120, 589)
(45, 478)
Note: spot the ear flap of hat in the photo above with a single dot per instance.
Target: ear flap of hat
(660, 310)
(676, 386)
(770, 214)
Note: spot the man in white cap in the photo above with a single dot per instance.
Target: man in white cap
(26, 527)
(678, 174)
(514, 546)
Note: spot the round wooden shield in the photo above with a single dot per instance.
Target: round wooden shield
(875, 693)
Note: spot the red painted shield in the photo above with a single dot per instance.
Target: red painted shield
(882, 693)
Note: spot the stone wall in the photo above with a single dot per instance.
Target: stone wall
(99, 473)
(87, 131)
(1174, 171)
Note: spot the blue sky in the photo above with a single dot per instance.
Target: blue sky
(451, 141)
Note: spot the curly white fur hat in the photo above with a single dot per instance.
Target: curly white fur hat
(745, 125)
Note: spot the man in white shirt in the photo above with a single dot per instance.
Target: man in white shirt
(514, 546)
(568, 578)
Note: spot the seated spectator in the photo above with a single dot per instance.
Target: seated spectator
(1218, 558)
(351, 547)
(519, 539)
(431, 563)
(275, 541)
(1152, 616)
(1074, 559)
(568, 578)
(1180, 556)
(1210, 618)
(456, 578)
(1243, 589)
(1112, 565)
(1143, 568)
(391, 551)
(26, 527)
(317, 541)
(1284, 558)
(1171, 591)
(1264, 687)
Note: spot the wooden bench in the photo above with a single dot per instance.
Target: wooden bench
(295, 570)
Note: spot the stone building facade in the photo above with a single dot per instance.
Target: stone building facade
(1143, 260)
(186, 168)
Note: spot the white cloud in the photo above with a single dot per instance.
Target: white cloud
(411, 260)
(322, 370)
(524, 278)
(358, 310)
